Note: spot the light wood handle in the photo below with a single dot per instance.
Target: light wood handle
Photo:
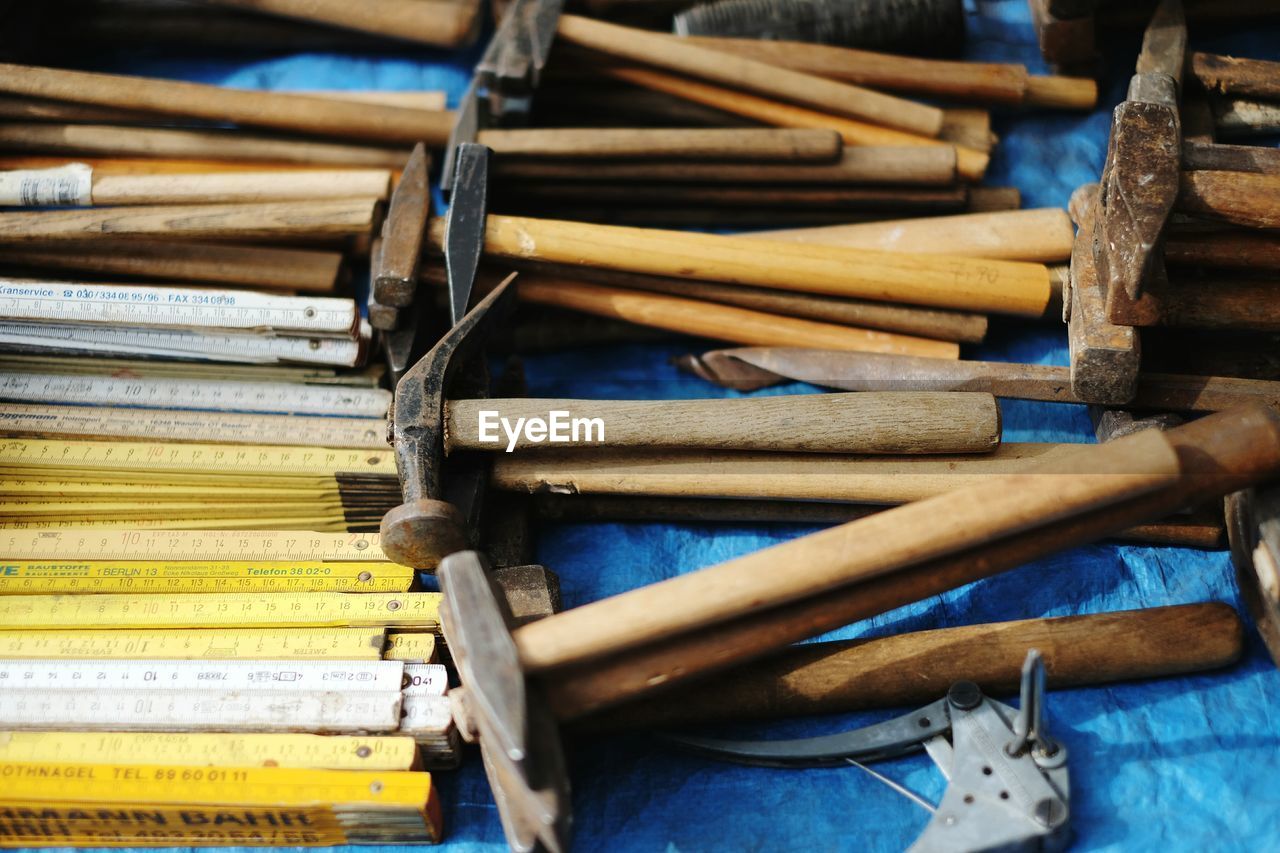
(868, 548)
(970, 163)
(820, 423)
(1043, 235)
(443, 23)
(719, 322)
(752, 144)
(916, 668)
(939, 281)
(662, 51)
(298, 113)
(113, 141)
(771, 476)
(215, 221)
(241, 187)
(210, 263)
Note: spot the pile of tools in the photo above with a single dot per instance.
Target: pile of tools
(203, 640)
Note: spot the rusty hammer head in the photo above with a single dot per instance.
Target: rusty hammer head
(434, 522)
(498, 707)
(1253, 526)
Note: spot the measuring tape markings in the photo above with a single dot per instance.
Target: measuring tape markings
(64, 303)
(267, 676)
(247, 525)
(195, 644)
(190, 371)
(320, 752)
(206, 427)
(206, 394)
(49, 454)
(240, 348)
(410, 648)
(276, 545)
(28, 578)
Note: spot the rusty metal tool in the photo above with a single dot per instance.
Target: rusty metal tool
(751, 368)
(442, 400)
(1253, 528)
(518, 682)
(1007, 782)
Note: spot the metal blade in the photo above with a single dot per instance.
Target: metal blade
(464, 229)
(890, 738)
(1164, 45)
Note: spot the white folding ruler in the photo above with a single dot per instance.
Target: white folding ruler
(281, 398)
(186, 308)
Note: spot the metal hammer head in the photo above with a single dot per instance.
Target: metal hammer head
(433, 522)
(1253, 526)
(497, 706)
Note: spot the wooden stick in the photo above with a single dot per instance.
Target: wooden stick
(861, 550)
(215, 221)
(1221, 304)
(1219, 454)
(981, 82)
(968, 129)
(117, 166)
(674, 54)
(1241, 198)
(970, 163)
(835, 423)
(1248, 78)
(443, 23)
(255, 266)
(941, 281)
(297, 113)
(1199, 156)
(719, 322)
(1044, 235)
(770, 476)
(115, 141)
(1224, 249)
(891, 165)
(1242, 117)
(230, 187)
(538, 197)
(750, 144)
(956, 326)
(916, 668)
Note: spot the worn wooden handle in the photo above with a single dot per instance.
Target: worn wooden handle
(241, 187)
(750, 75)
(775, 476)
(971, 164)
(1242, 198)
(1249, 78)
(1042, 235)
(343, 218)
(299, 113)
(940, 281)
(867, 548)
(823, 423)
(917, 668)
(115, 141)
(719, 322)
(752, 144)
(443, 23)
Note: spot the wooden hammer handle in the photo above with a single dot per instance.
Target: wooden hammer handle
(825, 423)
(918, 667)
(858, 551)
(659, 50)
(298, 113)
(443, 23)
(773, 144)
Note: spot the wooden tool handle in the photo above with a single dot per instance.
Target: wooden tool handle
(861, 550)
(214, 221)
(1248, 78)
(241, 187)
(940, 281)
(752, 144)
(1043, 235)
(1242, 198)
(917, 668)
(822, 423)
(443, 23)
(750, 75)
(970, 164)
(720, 322)
(299, 113)
(1219, 454)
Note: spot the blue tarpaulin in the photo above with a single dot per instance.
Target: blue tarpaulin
(1175, 764)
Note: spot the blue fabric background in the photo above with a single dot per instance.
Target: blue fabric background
(1178, 764)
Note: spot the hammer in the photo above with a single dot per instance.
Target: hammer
(431, 430)
(518, 683)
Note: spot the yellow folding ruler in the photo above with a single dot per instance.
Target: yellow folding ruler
(220, 610)
(320, 752)
(282, 544)
(137, 576)
(32, 454)
(58, 804)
